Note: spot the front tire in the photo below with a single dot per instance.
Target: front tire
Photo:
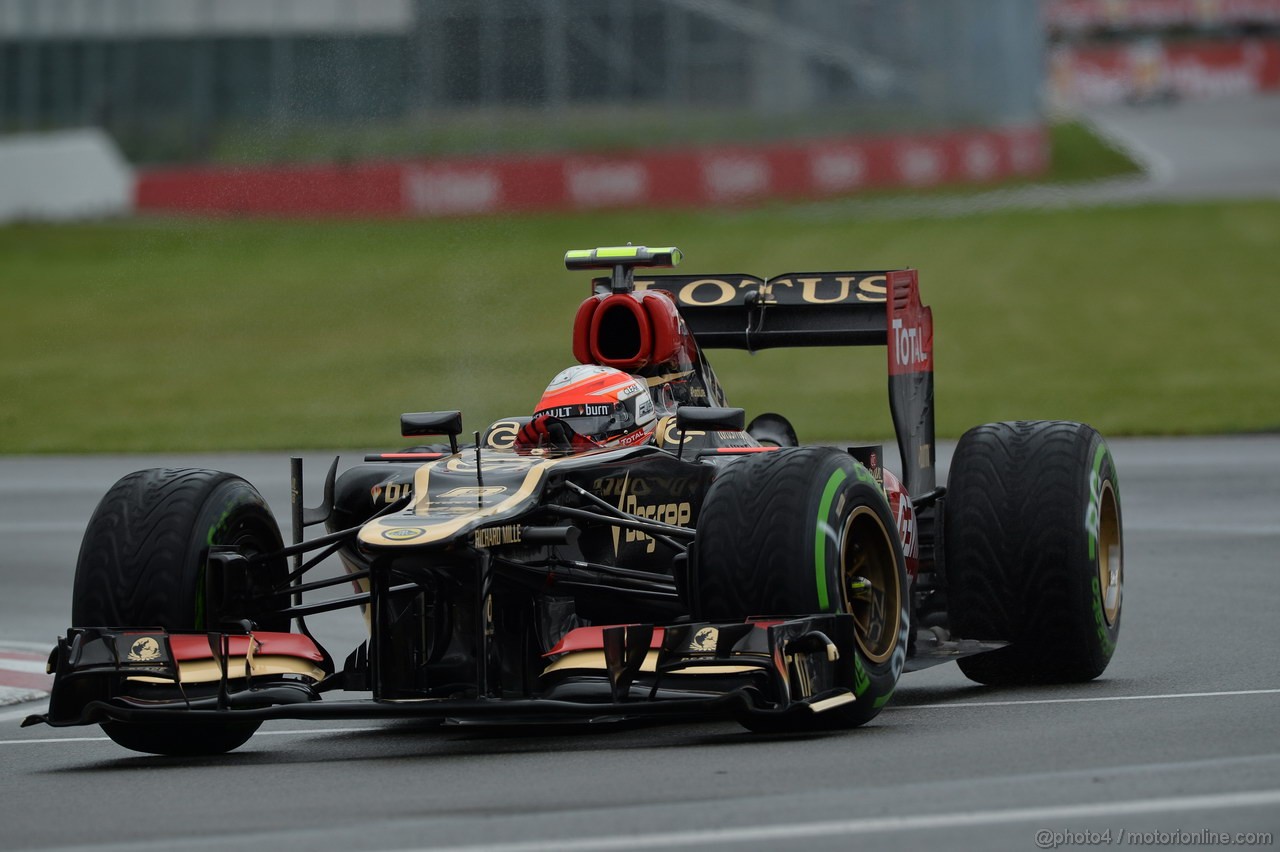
(806, 531)
(142, 564)
(1034, 551)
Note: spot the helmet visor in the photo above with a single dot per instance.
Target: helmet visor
(596, 421)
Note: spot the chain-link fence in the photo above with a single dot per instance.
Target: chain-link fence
(276, 80)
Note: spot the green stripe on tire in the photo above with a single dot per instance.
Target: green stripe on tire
(819, 547)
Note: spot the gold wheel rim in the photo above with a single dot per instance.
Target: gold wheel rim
(867, 553)
(1110, 555)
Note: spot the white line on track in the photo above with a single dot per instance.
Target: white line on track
(880, 825)
(23, 713)
(959, 705)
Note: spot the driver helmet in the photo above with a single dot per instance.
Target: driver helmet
(600, 406)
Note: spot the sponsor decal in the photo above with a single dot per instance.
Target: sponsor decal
(830, 289)
(731, 177)
(497, 536)
(1028, 155)
(639, 437)
(908, 345)
(502, 436)
(905, 517)
(444, 191)
(460, 464)
(1107, 644)
(898, 660)
(1093, 510)
(144, 650)
(920, 165)
(471, 185)
(633, 389)
(1087, 14)
(708, 291)
(474, 491)
(705, 639)
(390, 492)
(219, 525)
(823, 530)
(837, 170)
(602, 184)
(630, 493)
(668, 486)
(675, 514)
(861, 681)
(1153, 69)
(403, 533)
(833, 290)
(980, 161)
(869, 457)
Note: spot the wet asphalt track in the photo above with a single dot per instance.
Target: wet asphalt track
(1182, 733)
(1195, 151)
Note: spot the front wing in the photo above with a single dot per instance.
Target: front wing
(760, 668)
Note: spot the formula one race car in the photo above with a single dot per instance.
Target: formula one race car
(632, 549)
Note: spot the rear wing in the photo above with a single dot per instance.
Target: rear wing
(873, 308)
(797, 309)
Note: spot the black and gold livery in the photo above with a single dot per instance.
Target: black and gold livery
(719, 569)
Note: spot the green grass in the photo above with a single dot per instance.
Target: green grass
(1077, 154)
(145, 335)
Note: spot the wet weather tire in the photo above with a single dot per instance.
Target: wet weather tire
(787, 533)
(1034, 551)
(142, 564)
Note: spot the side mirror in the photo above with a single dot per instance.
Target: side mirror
(702, 417)
(706, 418)
(433, 423)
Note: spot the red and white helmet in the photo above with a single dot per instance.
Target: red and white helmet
(600, 405)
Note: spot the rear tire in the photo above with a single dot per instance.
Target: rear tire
(142, 564)
(1034, 551)
(784, 533)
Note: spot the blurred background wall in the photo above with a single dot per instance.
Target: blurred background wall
(296, 80)
(447, 107)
